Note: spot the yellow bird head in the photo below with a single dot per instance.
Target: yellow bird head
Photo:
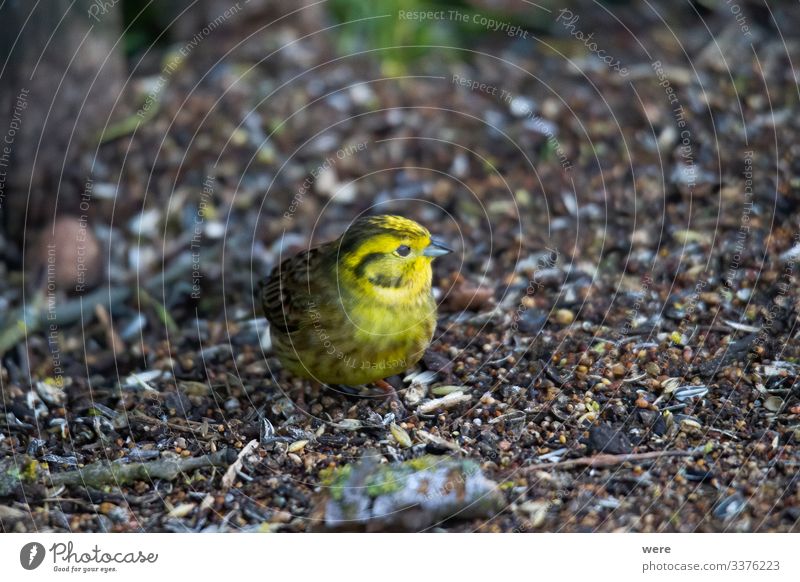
(384, 253)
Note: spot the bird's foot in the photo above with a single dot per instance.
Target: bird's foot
(391, 396)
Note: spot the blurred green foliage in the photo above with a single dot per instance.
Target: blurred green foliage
(368, 25)
(375, 25)
(143, 24)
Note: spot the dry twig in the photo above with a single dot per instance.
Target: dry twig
(606, 460)
(103, 472)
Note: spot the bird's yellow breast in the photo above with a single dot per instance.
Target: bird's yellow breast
(360, 342)
(358, 309)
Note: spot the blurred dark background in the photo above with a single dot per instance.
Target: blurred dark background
(76, 58)
(126, 105)
(158, 158)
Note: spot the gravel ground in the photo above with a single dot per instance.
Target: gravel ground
(624, 284)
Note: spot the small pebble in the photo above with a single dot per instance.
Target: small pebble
(445, 390)
(446, 402)
(564, 316)
(400, 435)
(297, 446)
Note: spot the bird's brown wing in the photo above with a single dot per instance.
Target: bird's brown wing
(287, 292)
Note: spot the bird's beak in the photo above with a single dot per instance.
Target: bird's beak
(436, 249)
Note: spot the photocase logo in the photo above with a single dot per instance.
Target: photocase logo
(31, 555)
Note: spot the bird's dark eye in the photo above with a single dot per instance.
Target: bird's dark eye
(403, 250)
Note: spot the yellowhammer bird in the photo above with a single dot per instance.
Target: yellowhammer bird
(358, 309)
